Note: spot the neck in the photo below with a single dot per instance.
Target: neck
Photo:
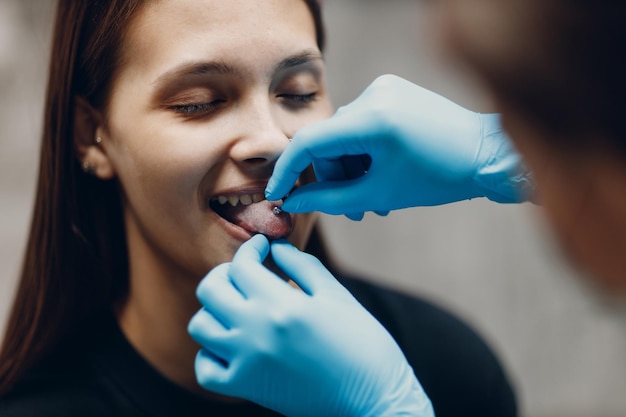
(154, 318)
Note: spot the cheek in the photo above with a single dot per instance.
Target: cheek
(161, 169)
(561, 193)
(155, 159)
(590, 243)
(587, 228)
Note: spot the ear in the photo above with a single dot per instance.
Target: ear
(89, 140)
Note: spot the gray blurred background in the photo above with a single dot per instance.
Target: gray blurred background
(495, 265)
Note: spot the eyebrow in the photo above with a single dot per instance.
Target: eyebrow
(222, 68)
(298, 59)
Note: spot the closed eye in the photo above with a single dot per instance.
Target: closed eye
(196, 109)
(296, 101)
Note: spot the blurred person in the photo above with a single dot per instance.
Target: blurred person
(556, 74)
(163, 121)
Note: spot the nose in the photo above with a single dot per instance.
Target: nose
(261, 139)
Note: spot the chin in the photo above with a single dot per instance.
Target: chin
(604, 273)
(610, 281)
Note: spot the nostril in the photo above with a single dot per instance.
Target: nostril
(256, 160)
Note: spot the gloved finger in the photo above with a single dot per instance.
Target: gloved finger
(255, 249)
(357, 217)
(254, 280)
(331, 197)
(219, 296)
(250, 276)
(382, 213)
(251, 254)
(304, 269)
(212, 373)
(339, 136)
(211, 334)
(288, 168)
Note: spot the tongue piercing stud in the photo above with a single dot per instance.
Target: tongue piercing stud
(277, 210)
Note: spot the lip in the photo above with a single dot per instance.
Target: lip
(233, 230)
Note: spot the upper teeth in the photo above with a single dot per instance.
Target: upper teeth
(245, 199)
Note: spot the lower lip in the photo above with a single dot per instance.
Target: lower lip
(233, 230)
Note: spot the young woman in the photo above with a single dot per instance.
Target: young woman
(163, 121)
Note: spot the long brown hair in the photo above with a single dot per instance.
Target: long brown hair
(75, 265)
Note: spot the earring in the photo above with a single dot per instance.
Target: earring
(98, 140)
(88, 168)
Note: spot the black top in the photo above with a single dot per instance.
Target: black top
(100, 374)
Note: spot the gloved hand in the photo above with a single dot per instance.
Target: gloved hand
(315, 352)
(425, 150)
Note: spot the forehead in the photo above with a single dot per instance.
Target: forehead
(249, 31)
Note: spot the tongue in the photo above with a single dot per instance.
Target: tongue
(260, 218)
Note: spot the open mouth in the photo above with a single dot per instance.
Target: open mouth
(253, 213)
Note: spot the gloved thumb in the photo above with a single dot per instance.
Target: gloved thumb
(256, 249)
(305, 270)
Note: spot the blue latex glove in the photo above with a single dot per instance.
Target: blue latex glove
(315, 352)
(424, 150)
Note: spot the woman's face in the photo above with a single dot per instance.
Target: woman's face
(208, 94)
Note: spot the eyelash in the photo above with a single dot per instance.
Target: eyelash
(300, 99)
(196, 108)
